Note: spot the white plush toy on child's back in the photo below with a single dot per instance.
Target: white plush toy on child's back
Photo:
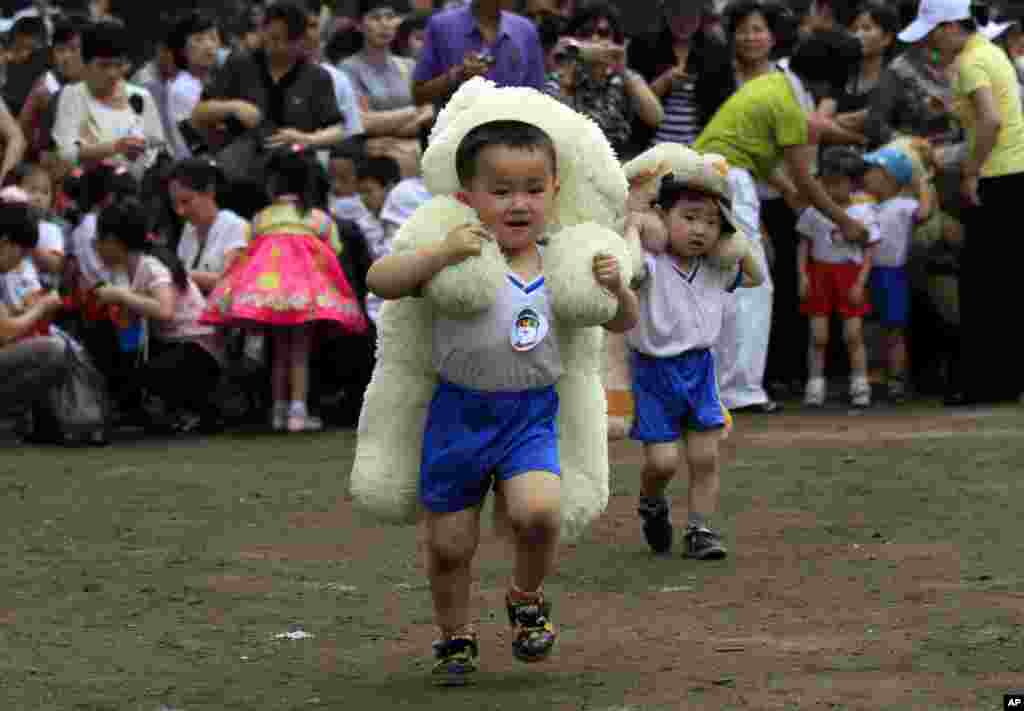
(590, 206)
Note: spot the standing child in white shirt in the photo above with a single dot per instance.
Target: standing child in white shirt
(890, 179)
(833, 277)
(682, 301)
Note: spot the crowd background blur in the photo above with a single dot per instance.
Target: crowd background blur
(102, 101)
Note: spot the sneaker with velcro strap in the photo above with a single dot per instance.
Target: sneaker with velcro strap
(703, 543)
(533, 633)
(456, 660)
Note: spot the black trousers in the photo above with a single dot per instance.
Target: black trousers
(183, 374)
(987, 368)
(787, 349)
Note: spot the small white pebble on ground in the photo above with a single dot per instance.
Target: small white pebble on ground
(297, 634)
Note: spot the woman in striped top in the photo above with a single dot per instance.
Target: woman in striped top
(684, 64)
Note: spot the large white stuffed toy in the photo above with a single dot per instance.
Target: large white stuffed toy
(590, 210)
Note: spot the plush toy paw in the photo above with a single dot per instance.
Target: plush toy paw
(730, 250)
(464, 289)
(576, 298)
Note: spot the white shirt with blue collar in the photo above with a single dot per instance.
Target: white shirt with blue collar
(681, 310)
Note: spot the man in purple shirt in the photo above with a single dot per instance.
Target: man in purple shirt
(478, 39)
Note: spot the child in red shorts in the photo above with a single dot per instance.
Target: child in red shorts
(834, 275)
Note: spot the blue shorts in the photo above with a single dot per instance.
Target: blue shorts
(890, 296)
(474, 437)
(672, 393)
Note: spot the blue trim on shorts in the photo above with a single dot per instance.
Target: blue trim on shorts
(473, 438)
(674, 394)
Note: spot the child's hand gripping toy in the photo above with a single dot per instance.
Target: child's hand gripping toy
(591, 203)
(706, 172)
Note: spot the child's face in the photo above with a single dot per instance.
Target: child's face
(694, 226)
(373, 194)
(880, 184)
(39, 189)
(838, 187)
(343, 177)
(513, 193)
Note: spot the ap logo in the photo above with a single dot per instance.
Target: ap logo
(1013, 701)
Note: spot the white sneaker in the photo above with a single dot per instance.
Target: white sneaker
(814, 394)
(860, 394)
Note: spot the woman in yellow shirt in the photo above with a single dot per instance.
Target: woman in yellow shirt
(986, 100)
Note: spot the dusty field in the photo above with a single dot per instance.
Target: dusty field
(877, 566)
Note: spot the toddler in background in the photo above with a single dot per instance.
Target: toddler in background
(891, 181)
(833, 276)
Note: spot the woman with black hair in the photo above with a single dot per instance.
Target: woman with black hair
(104, 117)
(184, 359)
(212, 237)
(875, 25)
(594, 80)
(194, 41)
(987, 101)
(30, 363)
(288, 280)
(683, 64)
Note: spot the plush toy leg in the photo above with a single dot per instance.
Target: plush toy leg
(386, 471)
(583, 442)
(385, 474)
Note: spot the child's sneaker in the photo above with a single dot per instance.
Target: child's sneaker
(457, 658)
(703, 543)
(657, 524)
(897, 390)
(814, 394)
(531, 624)
(860, 394)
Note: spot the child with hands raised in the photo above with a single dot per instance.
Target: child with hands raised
(492, 419)
(691, 267)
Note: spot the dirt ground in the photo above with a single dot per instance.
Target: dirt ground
(876, 565)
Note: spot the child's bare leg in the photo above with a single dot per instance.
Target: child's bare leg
(281, 345)
(705, 480)
(534, 502)
(298, 372)
(860, 389)
(452, 540)
(897, 355)
(302, 344)
(702, 542)
(816, 389)
(818, 347)
(660, 463)
(853, 332)
(661, 460)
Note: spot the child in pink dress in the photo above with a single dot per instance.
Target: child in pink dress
(287, 280)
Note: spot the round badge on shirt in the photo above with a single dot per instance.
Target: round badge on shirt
(529, 330)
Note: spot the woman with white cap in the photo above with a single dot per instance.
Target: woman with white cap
(986, 99)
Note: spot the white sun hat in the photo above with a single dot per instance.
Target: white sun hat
(933, 13)
(993, 30)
